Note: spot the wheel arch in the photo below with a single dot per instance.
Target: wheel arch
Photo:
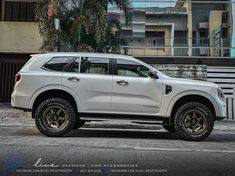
(66, 94)
(177, 102)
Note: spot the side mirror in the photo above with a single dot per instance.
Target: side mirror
(153, 74)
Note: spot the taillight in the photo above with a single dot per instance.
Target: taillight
(17, 77)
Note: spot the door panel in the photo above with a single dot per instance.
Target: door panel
(141, 95)
(93, 85)
(133, 91)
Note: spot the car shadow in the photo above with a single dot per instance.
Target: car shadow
(129, 134)
(122, 133)
(161, 135)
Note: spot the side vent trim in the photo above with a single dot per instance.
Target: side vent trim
(168, 89)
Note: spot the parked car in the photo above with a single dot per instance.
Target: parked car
(65, 90)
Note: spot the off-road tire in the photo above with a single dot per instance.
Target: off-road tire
(67, 107)
(179, 124)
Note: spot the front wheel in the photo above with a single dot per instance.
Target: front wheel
(55, 117)
(194, 121)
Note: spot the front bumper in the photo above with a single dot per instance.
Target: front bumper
(220, 110)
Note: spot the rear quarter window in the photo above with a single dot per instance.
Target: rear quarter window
(58, 63)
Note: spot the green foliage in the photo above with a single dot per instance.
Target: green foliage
(46, 25)
(85, 25)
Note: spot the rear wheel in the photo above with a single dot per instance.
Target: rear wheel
(55, 117)
(194, 121)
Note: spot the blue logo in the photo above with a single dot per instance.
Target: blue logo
(12, 163)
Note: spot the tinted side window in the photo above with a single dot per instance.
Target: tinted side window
(93, 65)
(58, 63)
(73, 67)
(131, 68)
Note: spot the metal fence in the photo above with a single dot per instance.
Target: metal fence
(225, 78)
(8, 69)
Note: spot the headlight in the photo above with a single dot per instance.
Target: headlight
(220, 94)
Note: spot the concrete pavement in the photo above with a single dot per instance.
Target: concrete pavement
(116, 148)
(116, 152)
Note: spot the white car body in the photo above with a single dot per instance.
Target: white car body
(65, 90)
(100, 94)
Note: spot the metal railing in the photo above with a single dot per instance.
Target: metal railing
(225, 78)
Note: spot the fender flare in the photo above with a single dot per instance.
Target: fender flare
(54, 87)
(187, 93)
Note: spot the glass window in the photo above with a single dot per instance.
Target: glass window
(0, 9)
(73, 67)
(15, 11)
(22, 13)
(131, 68)
(19, 11)
(93, 65)
(58, 63)
(8, 11)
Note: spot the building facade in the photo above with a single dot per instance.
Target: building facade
(18, 30)
(187, 28)
(170, 28)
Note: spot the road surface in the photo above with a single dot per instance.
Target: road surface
(100, 151)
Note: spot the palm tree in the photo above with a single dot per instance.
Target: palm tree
(46, 25)
(113, 41)
(124, 5)
(85, 25)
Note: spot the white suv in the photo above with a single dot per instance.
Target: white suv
(65, 90)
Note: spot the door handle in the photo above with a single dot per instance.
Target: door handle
(122, 83)
(73, 79)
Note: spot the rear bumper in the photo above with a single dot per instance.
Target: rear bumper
(19, 100)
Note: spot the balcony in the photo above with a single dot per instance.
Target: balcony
(19, 37)
(204, 51)
(203, 25)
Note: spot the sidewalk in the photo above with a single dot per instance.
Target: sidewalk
(14, 117)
